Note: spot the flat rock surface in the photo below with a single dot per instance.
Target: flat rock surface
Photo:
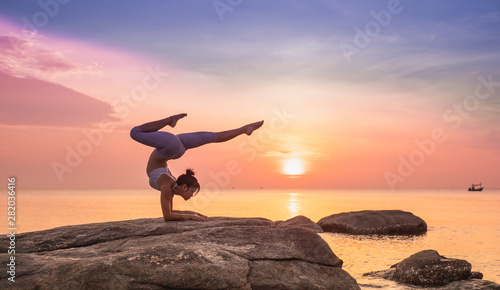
(222, 253)
(380, 222)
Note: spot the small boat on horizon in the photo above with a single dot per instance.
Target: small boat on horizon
(473, 187)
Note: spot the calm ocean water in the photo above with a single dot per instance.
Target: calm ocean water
(461, 224)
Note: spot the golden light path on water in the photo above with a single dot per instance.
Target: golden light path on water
(460, 224)
(293, 205)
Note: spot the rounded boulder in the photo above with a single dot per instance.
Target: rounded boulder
(374, 222)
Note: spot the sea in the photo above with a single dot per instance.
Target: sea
(461, 224)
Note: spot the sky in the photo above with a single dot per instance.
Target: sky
(353, 94)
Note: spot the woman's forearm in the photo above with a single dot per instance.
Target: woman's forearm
(184, 211)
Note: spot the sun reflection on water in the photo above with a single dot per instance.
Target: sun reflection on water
(293, 205)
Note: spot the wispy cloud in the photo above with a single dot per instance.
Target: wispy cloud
(21, 57)
(50, 80)
(290, 154)
(28, 96)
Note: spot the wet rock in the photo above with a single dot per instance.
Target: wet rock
(428, 268)
(472, 284)
(222, 253)
(382, 222)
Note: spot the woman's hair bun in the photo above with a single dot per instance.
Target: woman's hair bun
(189, 180)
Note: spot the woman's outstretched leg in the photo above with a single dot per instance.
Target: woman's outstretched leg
(230, 134)
(157, 125)
(196, 139)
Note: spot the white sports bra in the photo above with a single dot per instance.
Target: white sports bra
(155, 174)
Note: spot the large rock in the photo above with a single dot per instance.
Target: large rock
(222, 253)
(428, 268)
(382, 222)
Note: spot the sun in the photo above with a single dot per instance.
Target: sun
(293, 167)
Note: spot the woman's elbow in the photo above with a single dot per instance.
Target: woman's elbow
(169, 217)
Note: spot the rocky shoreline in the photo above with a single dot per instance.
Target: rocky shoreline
(222, 253)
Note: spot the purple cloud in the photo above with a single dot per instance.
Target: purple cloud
(30, 101)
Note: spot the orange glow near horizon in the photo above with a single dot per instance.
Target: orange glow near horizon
(79, 100)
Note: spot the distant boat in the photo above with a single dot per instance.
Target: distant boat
(473, 187)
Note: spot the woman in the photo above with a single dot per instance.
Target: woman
(169, 146)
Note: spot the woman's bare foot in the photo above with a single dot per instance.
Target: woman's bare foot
(252, 127)
(175, 118)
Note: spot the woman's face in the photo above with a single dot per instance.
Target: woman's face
(187, 192)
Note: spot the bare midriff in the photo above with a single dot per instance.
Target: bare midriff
(155, 162)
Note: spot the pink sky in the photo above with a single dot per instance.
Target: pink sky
(68, 106)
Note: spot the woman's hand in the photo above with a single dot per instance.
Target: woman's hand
(191, 213)
(203, 216)
(199, 217)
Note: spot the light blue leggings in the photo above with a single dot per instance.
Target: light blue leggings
(169, 146)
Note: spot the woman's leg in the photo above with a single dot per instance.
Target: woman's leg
(196, 139)
(230, 134)
(157, 125)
